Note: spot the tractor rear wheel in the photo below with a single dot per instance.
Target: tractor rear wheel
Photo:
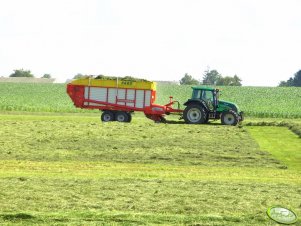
(229, 118)
(207, 118)
(194, 114)
(122, 116)
(107, 116)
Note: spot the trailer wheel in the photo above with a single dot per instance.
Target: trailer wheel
(130, 117)
(229, 118)
(122, 116)
(107, 116)
(194, 114)
(163, 120)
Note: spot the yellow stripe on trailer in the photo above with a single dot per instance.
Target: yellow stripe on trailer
(113, 83)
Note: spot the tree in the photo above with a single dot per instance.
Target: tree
(282, 84)
(224, 81)
(79, 75)
(293, 81)
(229, 81)
(297, 79)
(211, 77)
(188, 80)
(22, 73)
(46, 76)
(289, 82)
(236, 81)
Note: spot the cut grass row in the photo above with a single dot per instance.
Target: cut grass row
(141, 201)
(87, 139)
(120, 171)
(75, 170)
(254, 101)
(142, 194)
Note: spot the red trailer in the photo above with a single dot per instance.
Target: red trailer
(117, 99)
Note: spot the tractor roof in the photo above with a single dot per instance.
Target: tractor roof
(203, 88)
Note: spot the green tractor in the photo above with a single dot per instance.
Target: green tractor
(205, 105)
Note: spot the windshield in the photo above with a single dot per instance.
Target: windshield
(203, 94)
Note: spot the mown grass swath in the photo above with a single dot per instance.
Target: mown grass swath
(254, 101)
(75, 170)
(88, 141)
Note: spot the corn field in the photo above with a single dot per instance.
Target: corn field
(272, 102)
(35, 97)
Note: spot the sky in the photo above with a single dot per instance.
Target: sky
(258, 40)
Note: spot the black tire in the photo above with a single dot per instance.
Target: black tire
(121, 116)
(207, 118)
(194, 114)
(130, 117)
(229, 118)
(242, 117)
(163, 120)
(107, 116)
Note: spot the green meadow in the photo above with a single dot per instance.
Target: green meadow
(63, 166)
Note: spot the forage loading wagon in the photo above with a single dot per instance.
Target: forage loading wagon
(118, 98)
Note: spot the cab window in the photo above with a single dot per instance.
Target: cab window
(196, 94)
(207, 95)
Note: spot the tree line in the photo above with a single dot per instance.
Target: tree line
(27, 74)
(292, 81)
(212, 77)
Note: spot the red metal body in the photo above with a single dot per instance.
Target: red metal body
(81, 97)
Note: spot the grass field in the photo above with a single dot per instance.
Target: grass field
(61, 166)
(74, 170)
(254, 101)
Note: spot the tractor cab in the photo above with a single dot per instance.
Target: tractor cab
(205, 104)
(209, 95)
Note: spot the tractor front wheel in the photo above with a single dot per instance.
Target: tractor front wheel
(229, 118)
(194, 114)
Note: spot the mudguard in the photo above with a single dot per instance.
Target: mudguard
(200, 102)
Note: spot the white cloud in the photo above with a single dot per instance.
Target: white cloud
(257, 40)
